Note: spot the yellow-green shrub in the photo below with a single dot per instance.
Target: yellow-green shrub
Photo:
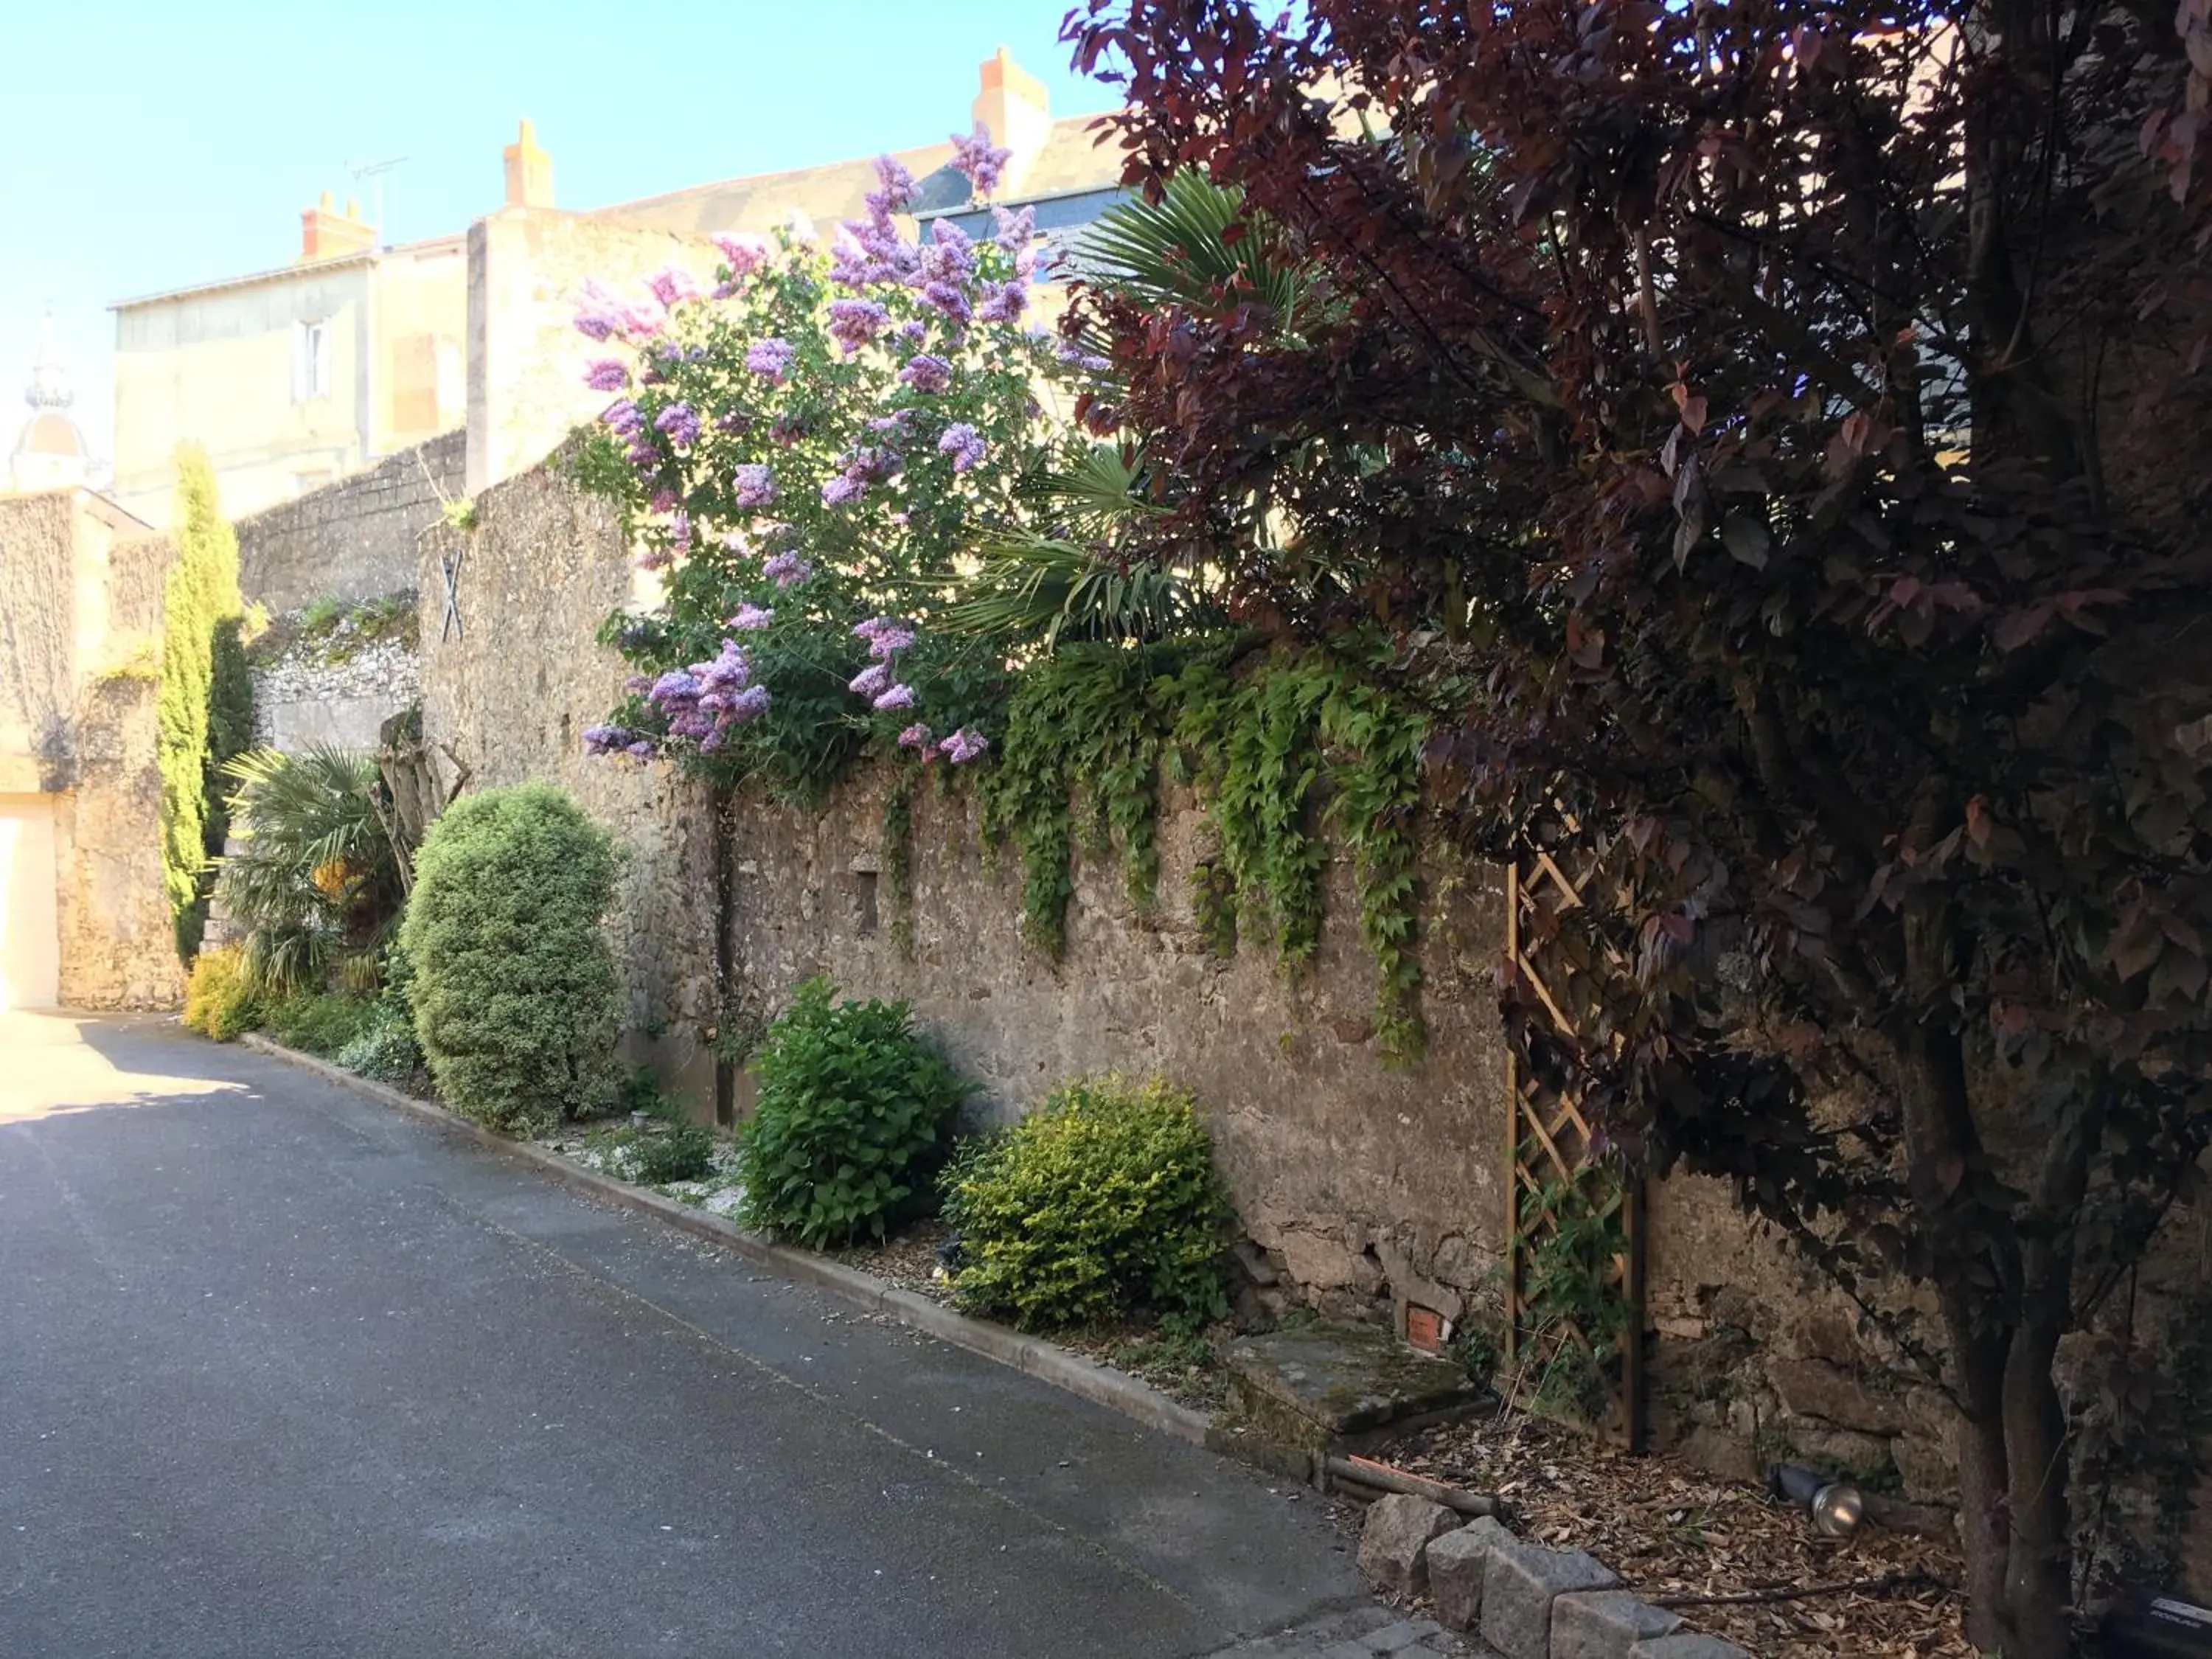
(1103, 1201)
(222, 999)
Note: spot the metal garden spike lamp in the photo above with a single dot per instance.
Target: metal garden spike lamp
(1836, 1506)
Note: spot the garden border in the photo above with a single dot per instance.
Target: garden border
(1033, 1356)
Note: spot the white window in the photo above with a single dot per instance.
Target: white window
(311, 361)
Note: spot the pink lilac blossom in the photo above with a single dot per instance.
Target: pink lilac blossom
(671, 285)
(624, 418)
(607, 739)
(870, 680)
(606, 374)
(841, 490)
(898, 187)
(916, 736)
(756, 484)
(949, 299)
(733, 420)
(744, 254)
(664, 501)
(965, 444)
(964, 746)
(752, 618)
(912, 333)
(704, 701)
(898, 697)
(924, 373)
(770, 357)
(1074, 355)
(681, 424)
(984, 163)
(643, 748)
(679, 532)
(853, 323)
(786, 569)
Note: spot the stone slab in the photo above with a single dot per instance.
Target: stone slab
(1605, 1624)
(1518, 1588)
(1394, 1542)
(1456, 1563)
(1325, 1381)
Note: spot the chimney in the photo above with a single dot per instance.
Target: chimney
(1014, 109)
(325, 233)
(529, 171)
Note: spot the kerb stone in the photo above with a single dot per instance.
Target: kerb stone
(1689, 1644)
(1605, 1624)
(1393, 1539)
(1456, 1562)
(1519, 1585)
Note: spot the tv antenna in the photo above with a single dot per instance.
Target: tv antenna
(375, 170)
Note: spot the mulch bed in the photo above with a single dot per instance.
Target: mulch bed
(1672, 1533)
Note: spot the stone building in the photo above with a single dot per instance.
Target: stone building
(83, 919)
(50, 451)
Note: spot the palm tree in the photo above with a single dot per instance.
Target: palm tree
(316, 883)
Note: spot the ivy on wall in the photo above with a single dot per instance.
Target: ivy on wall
(1289, 755)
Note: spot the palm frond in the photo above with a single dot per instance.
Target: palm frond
(1196, 246)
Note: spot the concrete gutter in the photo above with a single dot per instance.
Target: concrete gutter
(1100, 1384)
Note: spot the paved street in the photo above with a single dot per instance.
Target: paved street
(285, 1373)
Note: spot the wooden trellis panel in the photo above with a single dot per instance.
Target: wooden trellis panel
(1548, 1142)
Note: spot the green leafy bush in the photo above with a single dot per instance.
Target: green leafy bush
(319, 1022)
(1103, 1201)
(222, 998)
(852, 1113)
(386, 1052)
(513, 985)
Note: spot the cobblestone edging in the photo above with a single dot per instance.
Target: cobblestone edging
(1097, 1384)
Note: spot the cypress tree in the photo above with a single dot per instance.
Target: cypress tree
(204, 687)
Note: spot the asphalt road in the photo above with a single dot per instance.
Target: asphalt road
(285, 1373)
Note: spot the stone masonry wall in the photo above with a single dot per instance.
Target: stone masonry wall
(512, 691)
(1369, 1187)
(303, 696)
(354, 539)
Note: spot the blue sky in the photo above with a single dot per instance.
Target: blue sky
(148, 145)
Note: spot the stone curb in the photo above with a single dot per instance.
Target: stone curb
(1097, 1384)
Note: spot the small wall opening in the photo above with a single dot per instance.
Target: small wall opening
(864, 901)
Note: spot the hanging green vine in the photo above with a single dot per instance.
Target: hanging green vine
(898, 860)
(1083, 728)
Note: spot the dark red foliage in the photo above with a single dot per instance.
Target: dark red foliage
(1798, 415)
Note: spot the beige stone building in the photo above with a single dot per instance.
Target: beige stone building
(294, 377)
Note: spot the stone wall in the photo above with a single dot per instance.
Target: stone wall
(307, 694)
(1371, 1187)
(80, 611)
(511, 691)
(355, 539)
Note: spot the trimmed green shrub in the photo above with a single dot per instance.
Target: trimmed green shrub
(222, 1000)
(385, 1053)
(1102, 1202)
(513, 985)
(679, 1150)
(851, 1123)
(319, 1022)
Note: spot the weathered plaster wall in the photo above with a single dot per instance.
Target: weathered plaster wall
(118, 950)
(354, 539)
(512, 691)
(38, 637)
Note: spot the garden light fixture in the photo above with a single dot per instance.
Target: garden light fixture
(1836, 1506)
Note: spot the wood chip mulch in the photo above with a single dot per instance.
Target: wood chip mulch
(1672, 1533)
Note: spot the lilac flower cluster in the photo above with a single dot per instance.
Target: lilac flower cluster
(770, 358)
(984, 162)
(751, 618)
(673, 285)
(947, 265)
(1075, 357)
(868, 465)
(963, 444)
(680, 422)
(756, 484)
(854, 323)
(704, 701)
(964, 746)
(606, 313)
(886, 639)
(926, 373)
(786, 569)
(606, 374)
(870, 251)
(616, 740)
(744, 254)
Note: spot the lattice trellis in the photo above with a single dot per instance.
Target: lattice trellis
(1548, 1144)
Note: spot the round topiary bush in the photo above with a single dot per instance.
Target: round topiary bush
(850, 1126)
(1103, 1201)
(516, 995)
